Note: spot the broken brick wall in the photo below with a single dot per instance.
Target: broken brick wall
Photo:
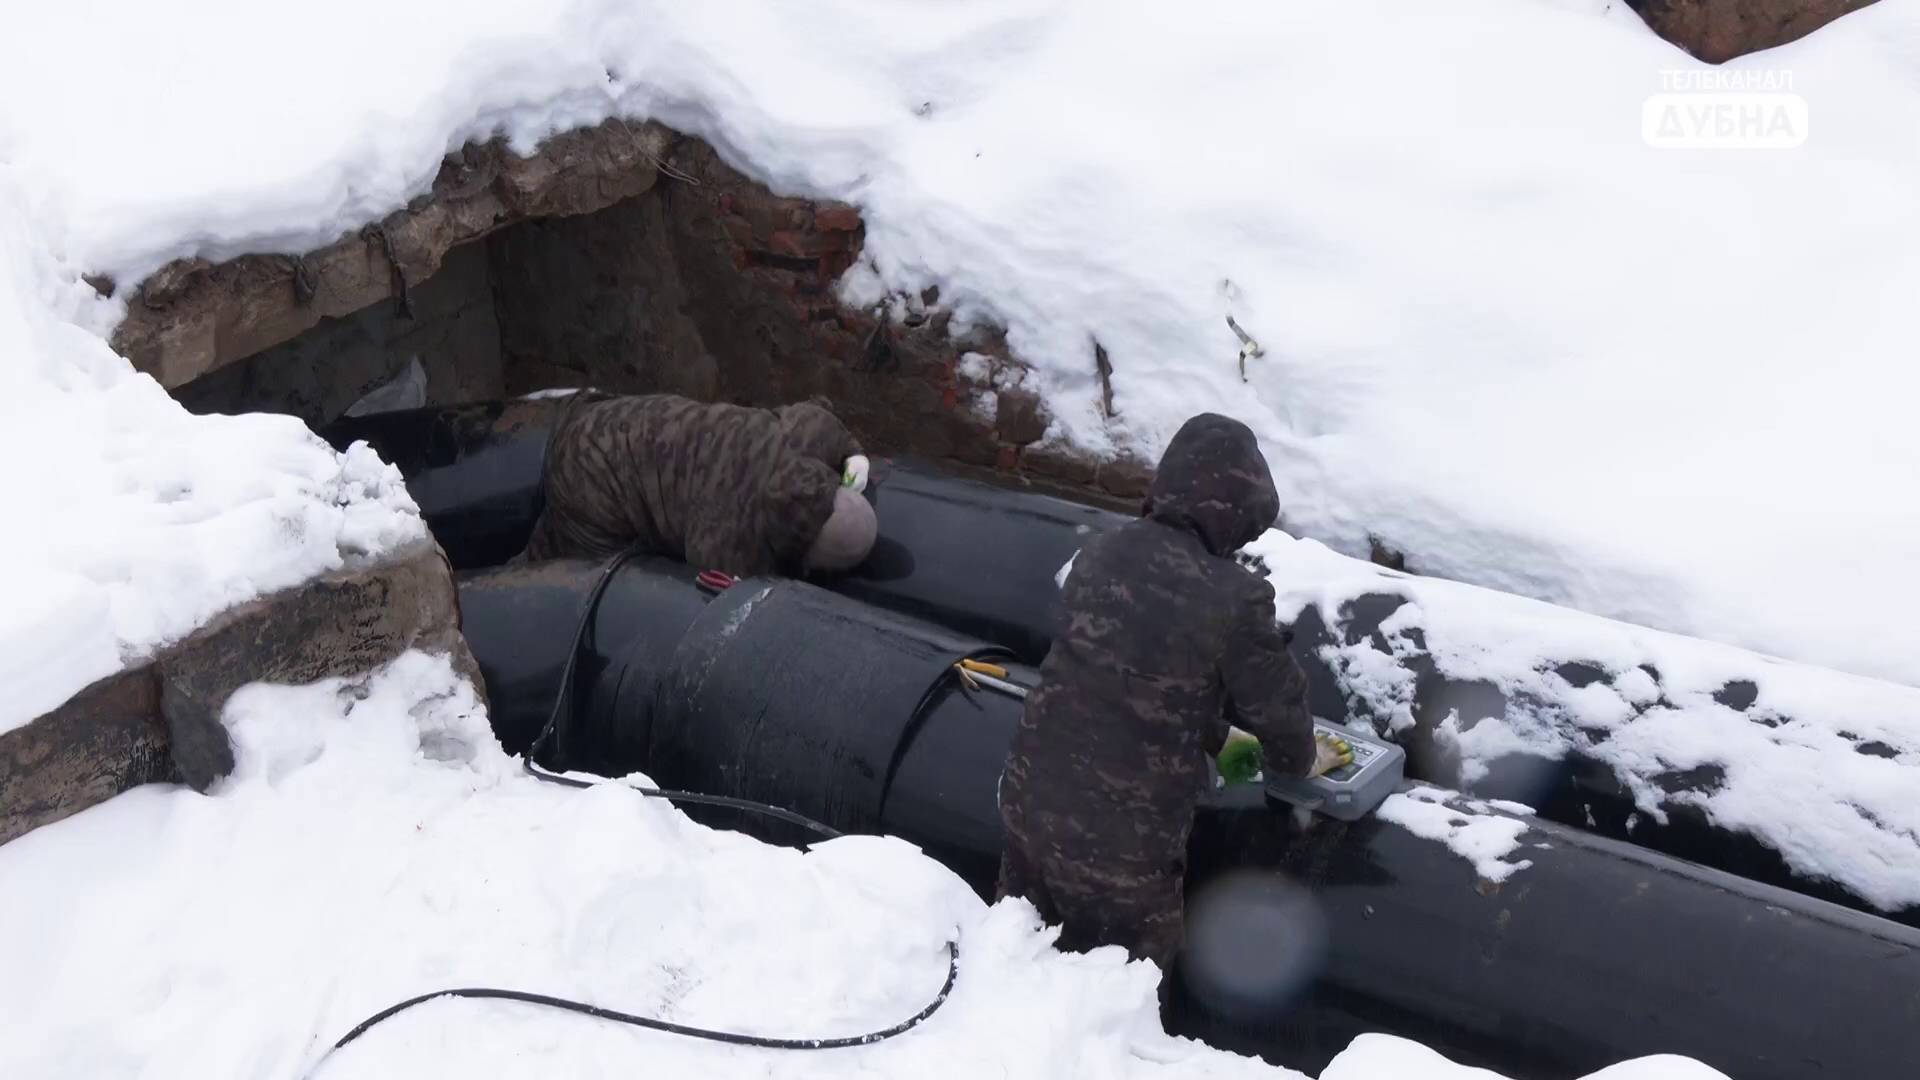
(712, 286)
(632, 259)
(448, 326)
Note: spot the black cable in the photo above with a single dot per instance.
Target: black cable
(732, 1038)
(562, 699)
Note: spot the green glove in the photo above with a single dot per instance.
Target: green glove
(1241, 759)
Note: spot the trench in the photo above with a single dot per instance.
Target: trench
(705, 284)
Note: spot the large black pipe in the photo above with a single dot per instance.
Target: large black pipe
(981, 560)
(858, 721)
(474, 470)
(1597, 952)
(969, 556)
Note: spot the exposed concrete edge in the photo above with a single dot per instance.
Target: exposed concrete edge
(193, 316)
(160, 720)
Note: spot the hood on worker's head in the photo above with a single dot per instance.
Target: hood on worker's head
(1214, 481)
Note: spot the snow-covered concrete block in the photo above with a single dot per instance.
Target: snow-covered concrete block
(193, 316)
(161, 720)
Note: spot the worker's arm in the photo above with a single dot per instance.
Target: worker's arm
(1266, 691)
(794, 505)
(814, 431)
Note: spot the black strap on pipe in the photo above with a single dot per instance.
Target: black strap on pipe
(563, 699)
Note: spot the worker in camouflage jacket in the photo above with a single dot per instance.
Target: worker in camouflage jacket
(752, 492)
(1164, 640)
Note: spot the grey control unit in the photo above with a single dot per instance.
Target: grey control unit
(1349, 792)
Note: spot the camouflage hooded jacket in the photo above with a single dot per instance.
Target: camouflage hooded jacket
(1163, 640)
(720, 487)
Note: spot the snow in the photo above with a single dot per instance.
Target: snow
(374, 843)
(1466, 826)
(134, 522)
(1798, 774)
(1374, 1056)
(1501, 333)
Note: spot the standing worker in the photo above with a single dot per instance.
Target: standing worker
(752, 492)
(1164, 641)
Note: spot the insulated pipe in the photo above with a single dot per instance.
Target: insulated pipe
(969, 556)
(474, 470)
(803, 697)
(519, 620)
(981, 561)
(838, 690)
(1597, 952)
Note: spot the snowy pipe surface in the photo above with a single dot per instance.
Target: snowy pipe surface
(1820, 766)
(1501, 332)
(374, 843)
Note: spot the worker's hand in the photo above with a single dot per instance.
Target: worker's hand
(1330, 752)
(855, 475)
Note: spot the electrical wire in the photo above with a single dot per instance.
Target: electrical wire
(767, 1042)
(562, 699)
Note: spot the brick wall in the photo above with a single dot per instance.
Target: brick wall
(712, 286)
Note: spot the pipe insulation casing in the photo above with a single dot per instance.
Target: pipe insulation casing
(1597, 952)
(771, 690)
(981, 561)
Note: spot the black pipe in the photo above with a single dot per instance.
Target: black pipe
(981, 560)
(969, 556)
(519, 620)
(1597, 952)
(1578, 788)
(475, 470)
(840, 690)
(805, 697)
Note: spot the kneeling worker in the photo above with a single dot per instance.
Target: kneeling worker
(752, 492)
(1164, 640)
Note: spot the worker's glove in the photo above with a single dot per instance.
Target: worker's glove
(1240, 759)
(855, 475)
(1330, 752)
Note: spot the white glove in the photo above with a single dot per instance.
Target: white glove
(855, 475)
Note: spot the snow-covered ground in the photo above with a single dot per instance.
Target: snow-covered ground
(1502, 333)
(130, 522)
(375, 843)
